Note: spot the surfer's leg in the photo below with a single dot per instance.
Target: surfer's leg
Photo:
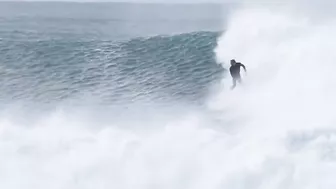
(239, 79)
(234, 82)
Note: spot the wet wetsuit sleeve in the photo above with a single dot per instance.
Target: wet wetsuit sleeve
(242, 65)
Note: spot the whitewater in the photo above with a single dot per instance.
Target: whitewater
(276, 131)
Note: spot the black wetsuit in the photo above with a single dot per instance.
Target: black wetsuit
(235, 72)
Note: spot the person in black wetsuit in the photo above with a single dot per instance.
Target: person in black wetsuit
(235, 72)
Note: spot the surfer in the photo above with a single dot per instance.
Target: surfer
(235, 72)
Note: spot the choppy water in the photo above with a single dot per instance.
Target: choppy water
(57, 55)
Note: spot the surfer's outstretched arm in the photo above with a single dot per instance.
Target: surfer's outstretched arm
(242, 65)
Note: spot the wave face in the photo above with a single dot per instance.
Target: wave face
(175, 67)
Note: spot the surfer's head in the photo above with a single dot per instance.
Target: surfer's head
(233, 62)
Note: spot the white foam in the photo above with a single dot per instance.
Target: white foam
(289, 89)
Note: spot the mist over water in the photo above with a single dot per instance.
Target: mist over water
(276, 131)
(287, 101)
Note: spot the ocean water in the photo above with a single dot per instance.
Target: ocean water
(136, 96)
